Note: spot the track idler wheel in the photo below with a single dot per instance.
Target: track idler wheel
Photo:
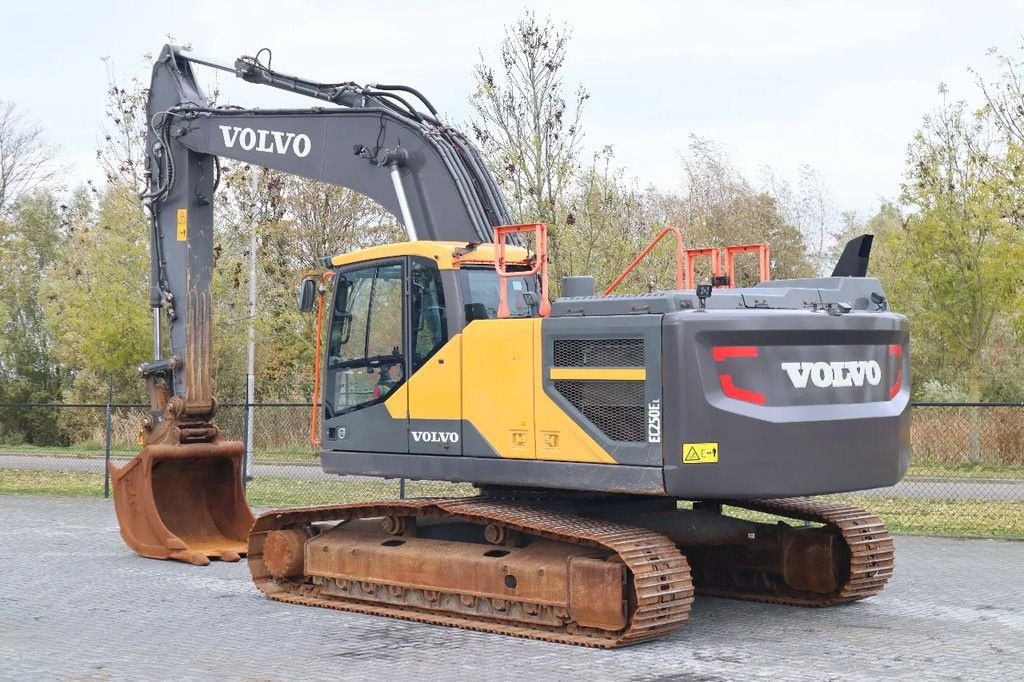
(284, 552)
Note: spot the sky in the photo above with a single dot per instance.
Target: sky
(839, 86)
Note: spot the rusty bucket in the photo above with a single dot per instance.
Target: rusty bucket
(184, 502)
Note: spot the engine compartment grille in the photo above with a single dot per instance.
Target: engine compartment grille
(617, 408)
(599, 352)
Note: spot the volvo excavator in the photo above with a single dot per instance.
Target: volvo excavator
(629, 450)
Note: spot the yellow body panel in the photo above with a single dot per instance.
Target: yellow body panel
(598, 373)
(398, 402)
(498, 383)
(443, 253)
(501, 393)
(435, 390)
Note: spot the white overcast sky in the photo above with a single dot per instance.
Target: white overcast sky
(841, 86)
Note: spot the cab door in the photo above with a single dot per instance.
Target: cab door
(435, 386)
(365, 409)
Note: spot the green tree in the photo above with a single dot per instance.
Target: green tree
(1004, 98)
(29, 373)
(298, 222)
(611, 222)
(96, 298)
(720, 207)
(959, 245)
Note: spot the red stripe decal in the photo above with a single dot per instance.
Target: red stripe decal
(899, 383)
(720, 353)
(732, 391)
(896, 349)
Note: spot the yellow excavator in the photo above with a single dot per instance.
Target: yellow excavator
(629, 450)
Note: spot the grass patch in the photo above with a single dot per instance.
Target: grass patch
(86, 451)
(983, 518)
(979, 518)
(97, 452)
(968, 518)
(266, 491)
(964, 470)
(28, 482)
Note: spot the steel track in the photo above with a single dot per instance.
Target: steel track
(661, 589)
(868, 545)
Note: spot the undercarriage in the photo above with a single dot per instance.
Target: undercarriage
(602, 571)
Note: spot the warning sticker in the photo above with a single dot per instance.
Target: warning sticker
(182, 224)
(700, 453)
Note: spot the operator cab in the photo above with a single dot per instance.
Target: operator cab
(393, 308)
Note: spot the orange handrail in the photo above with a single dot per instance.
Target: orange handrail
(540, 265)
(763, 260)
(679, 258)
(314, 436)
(693, 254)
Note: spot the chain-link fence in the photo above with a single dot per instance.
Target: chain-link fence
(966, 476)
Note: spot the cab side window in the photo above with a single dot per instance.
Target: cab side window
(365, 360)
(429, 324)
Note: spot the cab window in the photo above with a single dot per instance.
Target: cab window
(365, 360)
(480, 289)
(429, 323)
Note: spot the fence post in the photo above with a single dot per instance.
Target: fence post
(106, 458)
(247, 465)
(401, 488)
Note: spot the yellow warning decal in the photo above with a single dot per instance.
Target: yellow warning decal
(182, 224)
(700, 453)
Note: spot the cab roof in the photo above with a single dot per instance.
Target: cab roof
(447, 255)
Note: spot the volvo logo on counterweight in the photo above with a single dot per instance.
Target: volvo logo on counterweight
(833, 374)
(269, 141)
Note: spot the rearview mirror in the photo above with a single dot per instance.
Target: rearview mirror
(307, 294)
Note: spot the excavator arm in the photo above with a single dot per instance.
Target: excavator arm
(182, 496)
(367, 139)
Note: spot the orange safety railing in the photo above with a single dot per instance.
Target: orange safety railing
(314, 435)
(643, 254)
(540, 265)
(685, 259)
(693, 254)
(762, 257)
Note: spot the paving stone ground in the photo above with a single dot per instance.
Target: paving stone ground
(76, 604)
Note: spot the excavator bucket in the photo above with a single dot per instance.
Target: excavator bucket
(184, 502)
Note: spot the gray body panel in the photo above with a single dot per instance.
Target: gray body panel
(792, 294)
(801, 441)
(512, 472)
(435, 437)
(370, 428)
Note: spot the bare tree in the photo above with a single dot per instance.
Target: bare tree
(122, 151)
(1005, 97)
(527, 130)
(24, 156)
